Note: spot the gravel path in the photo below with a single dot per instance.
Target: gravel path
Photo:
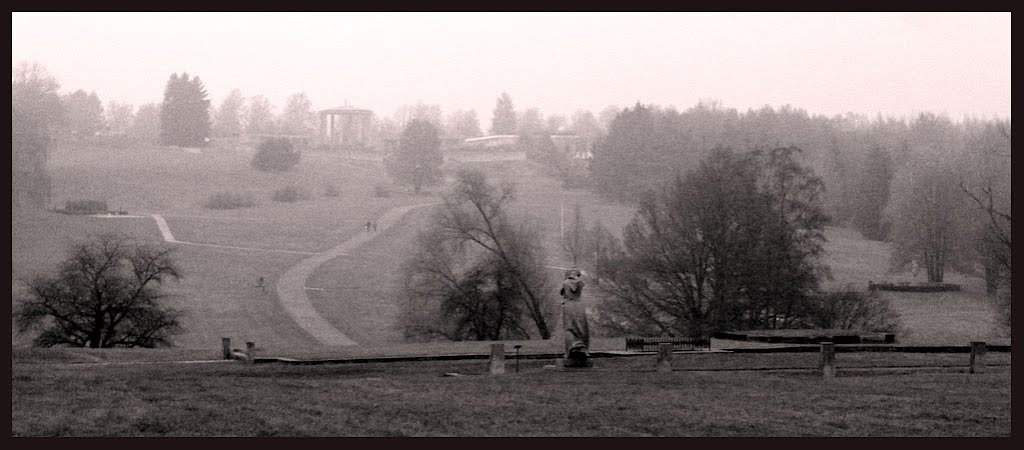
(291, 287)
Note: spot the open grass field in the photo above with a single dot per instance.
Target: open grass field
(618, 397)
(939, 318)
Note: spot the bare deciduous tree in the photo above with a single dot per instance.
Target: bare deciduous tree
(477, 273)
(104, 295)
(931, 223)
(731, 245)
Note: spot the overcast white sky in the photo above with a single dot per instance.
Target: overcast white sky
(827, 63)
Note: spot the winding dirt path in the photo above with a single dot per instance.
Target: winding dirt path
(291, 286)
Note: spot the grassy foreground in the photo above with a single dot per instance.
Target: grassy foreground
(618, 397)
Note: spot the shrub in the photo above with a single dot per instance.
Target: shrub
(289, 194)
(854, 310)
(381, 191)
(230, 200)
(85, 206)
(275, 155)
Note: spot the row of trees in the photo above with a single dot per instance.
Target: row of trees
(79, 113)
(238, 115)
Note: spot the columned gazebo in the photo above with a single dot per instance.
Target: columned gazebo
(345, 127)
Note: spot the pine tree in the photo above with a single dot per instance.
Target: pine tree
(185, 115)
(504, 120)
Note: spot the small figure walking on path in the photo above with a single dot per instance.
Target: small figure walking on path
(367, 225)
(574, 321)
(259, 284)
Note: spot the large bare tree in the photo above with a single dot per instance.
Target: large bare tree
(481, 269)
(105, 294)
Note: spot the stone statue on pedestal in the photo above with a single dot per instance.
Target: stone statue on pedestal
(574, 321)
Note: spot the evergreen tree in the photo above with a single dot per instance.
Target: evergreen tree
(185, 114)
(504, 120)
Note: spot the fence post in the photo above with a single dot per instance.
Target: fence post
(978, 350)
(497, 359)
(665, 357)
(828, 360)
(250, 352)
(225, 345)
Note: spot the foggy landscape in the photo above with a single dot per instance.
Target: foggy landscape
(511, 224)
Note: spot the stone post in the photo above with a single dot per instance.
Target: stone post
(978, 350)
(497, 359)
(225, 345)
(664, 357)
(250, 352)
(828, 360)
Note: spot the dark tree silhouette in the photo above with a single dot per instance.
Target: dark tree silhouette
(732, 244)
(477, 273)
(106, 294)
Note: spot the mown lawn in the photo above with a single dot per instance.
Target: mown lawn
(618, 397)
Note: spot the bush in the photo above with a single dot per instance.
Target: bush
(230, 200)
(381, 191)
(854, 310)
(85, 206)
(275, 155)
(289, 194)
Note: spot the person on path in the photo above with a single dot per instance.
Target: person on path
(367, 225)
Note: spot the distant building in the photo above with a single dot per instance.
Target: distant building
(344, 127)
(502, 141)
(571, 145)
